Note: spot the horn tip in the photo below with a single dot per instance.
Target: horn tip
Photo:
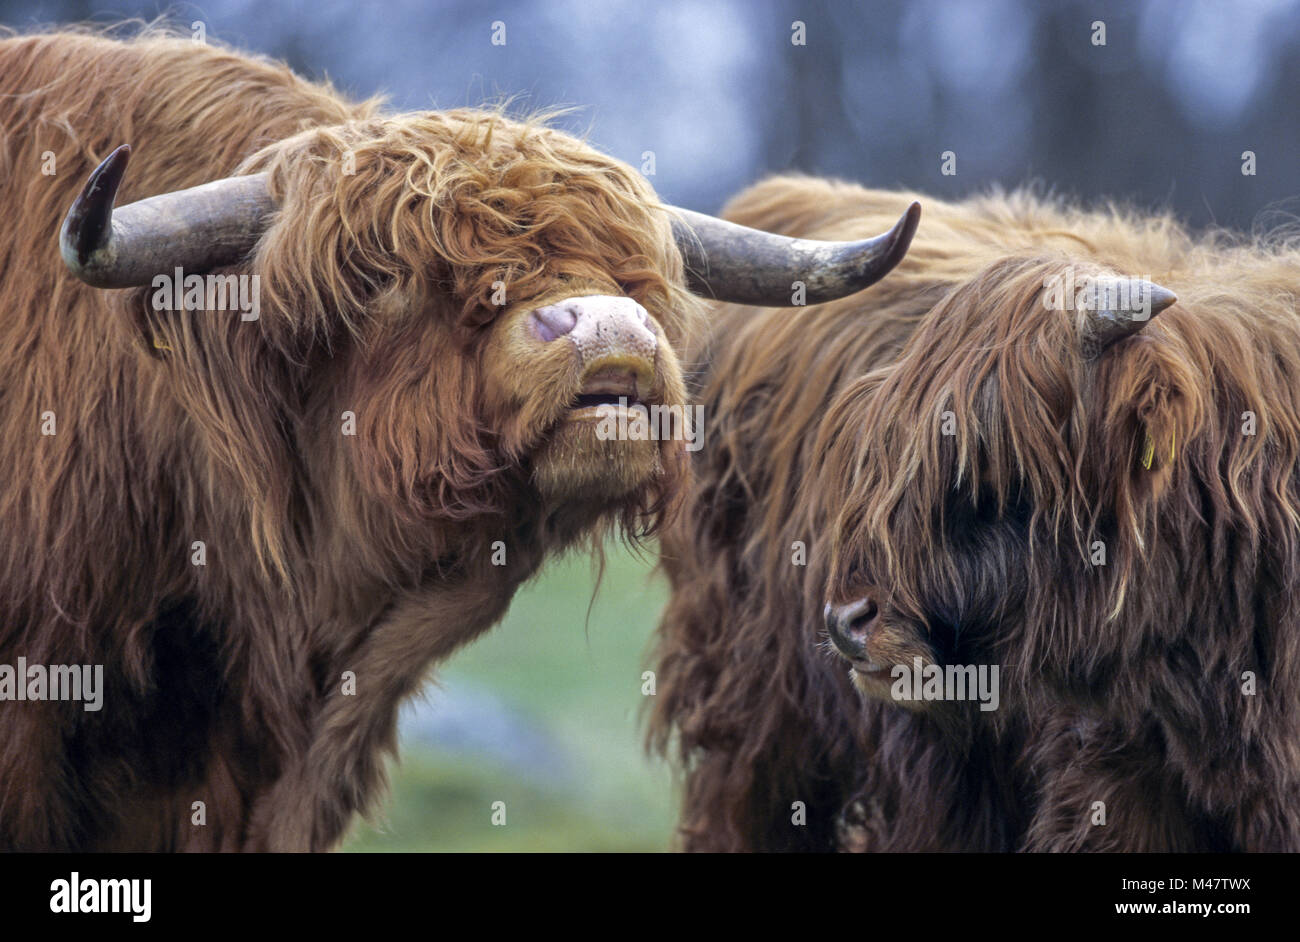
(900, 237)
(910, 219)
(1161, 298)
(88, 224)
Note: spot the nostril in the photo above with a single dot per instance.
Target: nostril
(868, 609)
(857, 627)
(555, 320)
(849, 625)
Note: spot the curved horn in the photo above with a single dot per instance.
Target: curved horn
(729, 262)
(199, 229)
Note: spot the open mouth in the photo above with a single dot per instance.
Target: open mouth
(591, 400)
(610, 386)
(870, 668)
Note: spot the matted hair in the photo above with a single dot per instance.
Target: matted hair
(378, 265)
(1123, 683)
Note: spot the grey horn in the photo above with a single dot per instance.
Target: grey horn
(1119, 308)
(729, 262)
(218, 223)
(199, 229)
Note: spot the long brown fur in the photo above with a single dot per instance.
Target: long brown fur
(326, 553)
(1122, 684)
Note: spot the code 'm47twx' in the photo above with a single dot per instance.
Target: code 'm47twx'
(1178, 883)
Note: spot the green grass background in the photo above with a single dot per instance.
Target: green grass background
(578, 678)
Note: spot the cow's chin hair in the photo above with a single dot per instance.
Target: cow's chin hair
(576, 465)
(879, 686)
(890, 646)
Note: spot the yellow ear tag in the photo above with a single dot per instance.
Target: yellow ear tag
(1149, 449)
(159, 345)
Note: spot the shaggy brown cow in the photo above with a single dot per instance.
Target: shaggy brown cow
(1102, 505)
(265, 525)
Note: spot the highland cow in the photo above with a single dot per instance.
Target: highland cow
(266, 524)
(1093, 490)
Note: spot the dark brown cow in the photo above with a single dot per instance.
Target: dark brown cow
(1017, 452)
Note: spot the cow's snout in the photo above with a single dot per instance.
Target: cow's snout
(600, 326)
(849, 626)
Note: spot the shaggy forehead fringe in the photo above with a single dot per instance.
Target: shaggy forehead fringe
(464, 201)
(1037, 423)
(989, 411)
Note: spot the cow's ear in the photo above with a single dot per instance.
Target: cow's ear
(1146, 415)
(161, 317)
(1135, 391)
